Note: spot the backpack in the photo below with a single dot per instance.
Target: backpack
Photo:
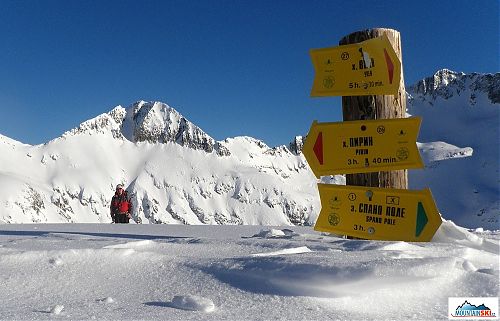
(121, 204)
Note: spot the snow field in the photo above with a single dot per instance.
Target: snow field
(151, 272)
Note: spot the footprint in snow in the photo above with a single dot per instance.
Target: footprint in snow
(56, 261)
(106, 300)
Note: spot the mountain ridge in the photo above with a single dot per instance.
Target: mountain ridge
(446, 83)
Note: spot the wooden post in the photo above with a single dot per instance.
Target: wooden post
(376, 107)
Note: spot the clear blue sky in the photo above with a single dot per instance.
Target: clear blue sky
(232, 67)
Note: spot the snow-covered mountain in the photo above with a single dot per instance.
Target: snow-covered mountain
(460, 144)
(446, 84)
(177, 173)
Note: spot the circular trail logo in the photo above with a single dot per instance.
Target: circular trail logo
(333, 219)
(403, 153)
(328, 82)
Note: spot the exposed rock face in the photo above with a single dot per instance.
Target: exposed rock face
(296, 145)
(158, 123)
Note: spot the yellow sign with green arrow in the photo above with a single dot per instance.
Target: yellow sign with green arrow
(378, 213)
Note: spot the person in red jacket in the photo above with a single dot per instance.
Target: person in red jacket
(121, 206)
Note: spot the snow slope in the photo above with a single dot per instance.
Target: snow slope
(181, 272)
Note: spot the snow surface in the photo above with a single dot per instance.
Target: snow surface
(180, 272)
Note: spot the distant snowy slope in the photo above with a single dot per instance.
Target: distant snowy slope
(461, 118)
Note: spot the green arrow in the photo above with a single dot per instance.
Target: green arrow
(421, 219)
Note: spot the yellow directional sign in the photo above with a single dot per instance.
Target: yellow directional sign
(370, 67)
(378, 213)
(363, 146)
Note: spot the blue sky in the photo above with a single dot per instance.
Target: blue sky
(231, 67)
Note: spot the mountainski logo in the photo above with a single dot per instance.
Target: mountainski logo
(473, 308)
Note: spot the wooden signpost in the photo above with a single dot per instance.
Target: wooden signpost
(374, 146)
(386, 106)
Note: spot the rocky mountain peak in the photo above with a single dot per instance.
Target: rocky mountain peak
(153, 122)
(446, 83)
(156, 122)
